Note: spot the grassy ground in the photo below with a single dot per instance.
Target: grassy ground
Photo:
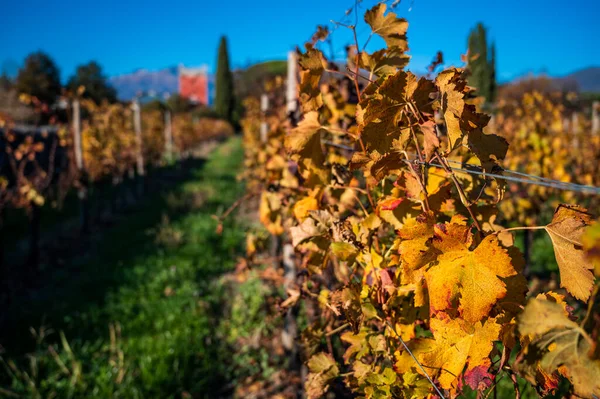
(143, 316)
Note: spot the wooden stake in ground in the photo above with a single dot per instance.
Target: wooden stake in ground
(137, 126)
(79, 163)
(264, 127)
(291, 93)
(168, 137)
(77, 144)
(596, 117)
(290, 333)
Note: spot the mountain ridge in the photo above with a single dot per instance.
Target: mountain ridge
(165, 81)
(587, 79)
(162, 81)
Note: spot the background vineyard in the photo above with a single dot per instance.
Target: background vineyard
(49, 198)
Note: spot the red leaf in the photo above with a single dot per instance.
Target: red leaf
(391, 204)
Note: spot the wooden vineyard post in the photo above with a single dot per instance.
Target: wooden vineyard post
(290, 332)
(77, 135)
(264, 127)
(566, 125)
(575, 129)
(168, 137)
(291, 92)
(82, 192)
(596, 117)
(137, 126)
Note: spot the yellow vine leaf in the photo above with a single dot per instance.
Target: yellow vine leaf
(391, 28)
(451, 85)
(591, 245)
(303, 206)
(305, 140)
(415, 386)
(250, 244)
(323, 369)
(558, 344)
(566, 232)
(358, 344)
(316, 225)
(383, 62)
(415, 252)
(415, 248)
(456, 344)
(321, 34)
(269, 215)
(431, 142)
(344, 251)
(304, 143)
(312, 65)
(378, 125)
(473, 279)
(379, 114)
(463, 119)
(489, 148)
(382, 166)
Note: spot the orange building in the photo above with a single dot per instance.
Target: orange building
(193, 84)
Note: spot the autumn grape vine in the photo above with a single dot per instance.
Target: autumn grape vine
(411, 286)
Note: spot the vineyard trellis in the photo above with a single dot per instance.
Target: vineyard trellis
(476, 170)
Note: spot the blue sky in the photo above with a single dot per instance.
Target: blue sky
(553, 36)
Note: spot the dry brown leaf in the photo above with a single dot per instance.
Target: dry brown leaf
(566, 231)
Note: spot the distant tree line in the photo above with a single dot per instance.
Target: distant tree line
(39, 77)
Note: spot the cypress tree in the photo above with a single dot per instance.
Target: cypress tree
(483, 73)
(493, 85)
(224, 97)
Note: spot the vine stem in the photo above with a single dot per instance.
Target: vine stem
(425, 203)
(590, 307)
(356, 75)
(361, 204)
(494, 387)
(337, 330)
(361, 76)
(358, 95)
(336, 72)
(360, 190)
(421, 178)
(513, 378)
(521, 228)
(232, 207)
(461, 192)
(414, 137)
(437, 390)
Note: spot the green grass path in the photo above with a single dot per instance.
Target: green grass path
(141, 319)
